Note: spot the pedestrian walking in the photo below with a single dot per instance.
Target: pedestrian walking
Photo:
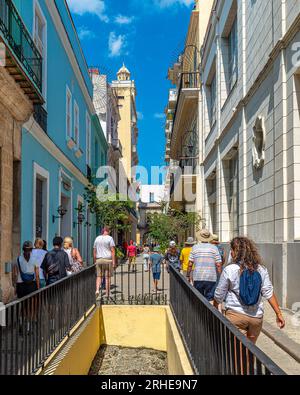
(45, 246)
(221, 249)
(74, 256)
(172, 256)
(56, 263)
(131, 256)
(26, 272)
(156, 260)
(243, 285)
(206, 260)
(38, 254)
(105, 259)
(146, 257)
(185, 255)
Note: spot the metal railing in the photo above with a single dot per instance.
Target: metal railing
(37, 324)
(20, 42)
(41, 116)
(135, 287)
(214, 345)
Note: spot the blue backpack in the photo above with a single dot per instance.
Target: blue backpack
(250, 287)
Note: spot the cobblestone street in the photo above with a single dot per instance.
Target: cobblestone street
(113, 360)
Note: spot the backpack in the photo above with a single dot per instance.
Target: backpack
(52, 267)
(27, 278)
(250, 287)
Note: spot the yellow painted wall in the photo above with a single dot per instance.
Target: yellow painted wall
(128, 326)
(134, 326)
(78, 354)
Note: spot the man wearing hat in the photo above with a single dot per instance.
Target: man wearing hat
(206, 259)
(185, 255)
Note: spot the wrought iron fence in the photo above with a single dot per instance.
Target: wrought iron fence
(214, 345)
(41, 116)
(135, 286)
(35, 325)
(20, 42)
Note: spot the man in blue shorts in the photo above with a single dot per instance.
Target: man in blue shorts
(156, 260)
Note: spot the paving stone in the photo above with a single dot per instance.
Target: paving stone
(114, 360)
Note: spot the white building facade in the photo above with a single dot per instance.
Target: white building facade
(249, 140)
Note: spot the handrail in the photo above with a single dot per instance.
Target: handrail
(20, 42)
(214, 344)
(37, 324)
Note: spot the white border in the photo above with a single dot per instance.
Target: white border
(75, 106)
(38, 170)
(68, 92)
(88, 137)
(37, 9)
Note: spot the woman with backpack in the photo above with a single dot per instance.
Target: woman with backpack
(242, 286)
(27, 272)
(74, 256)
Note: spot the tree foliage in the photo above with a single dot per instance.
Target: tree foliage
(111, 210)
(173, 225)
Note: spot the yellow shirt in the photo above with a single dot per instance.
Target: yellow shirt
(184, 257)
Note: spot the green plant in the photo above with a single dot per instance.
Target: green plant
(110, 210)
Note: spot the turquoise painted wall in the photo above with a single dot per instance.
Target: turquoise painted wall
(60, 74)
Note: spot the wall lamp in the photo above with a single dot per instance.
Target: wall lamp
(61, 211)
(80, 219)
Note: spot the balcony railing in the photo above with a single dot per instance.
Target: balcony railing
(41, 116)
(116, 143)
(20, 43)
(188, 81)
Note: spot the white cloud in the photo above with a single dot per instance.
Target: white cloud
(169, 3)
(159, 115)
(85, 33)
(96, 7)
(124, 20)
(140, 116)
(116, 44)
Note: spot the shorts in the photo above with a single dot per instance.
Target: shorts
(132, 259)
(249, 326)
(206, 288)
(104, 267)
(24, 289)
(156, 276)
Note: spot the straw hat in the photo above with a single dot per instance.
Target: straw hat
(215, 237)
(190, 241)
(205, 236)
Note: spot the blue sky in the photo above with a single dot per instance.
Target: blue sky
(147, 35)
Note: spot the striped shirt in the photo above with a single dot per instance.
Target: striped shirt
(205, 257)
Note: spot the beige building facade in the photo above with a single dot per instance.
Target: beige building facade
(249, 134)
(125, 92)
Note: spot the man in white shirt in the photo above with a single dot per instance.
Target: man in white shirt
(105, 259)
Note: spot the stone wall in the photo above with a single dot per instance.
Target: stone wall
(15, 108)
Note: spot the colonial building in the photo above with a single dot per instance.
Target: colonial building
(125, 91)
(20, 93)
(61, 139)
(151, 197)
(182, 117)
(106, 106)
(249, 131)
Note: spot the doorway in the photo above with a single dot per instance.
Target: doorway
(66, 220)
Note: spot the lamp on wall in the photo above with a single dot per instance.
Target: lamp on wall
(80, 219)
(61, 212)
